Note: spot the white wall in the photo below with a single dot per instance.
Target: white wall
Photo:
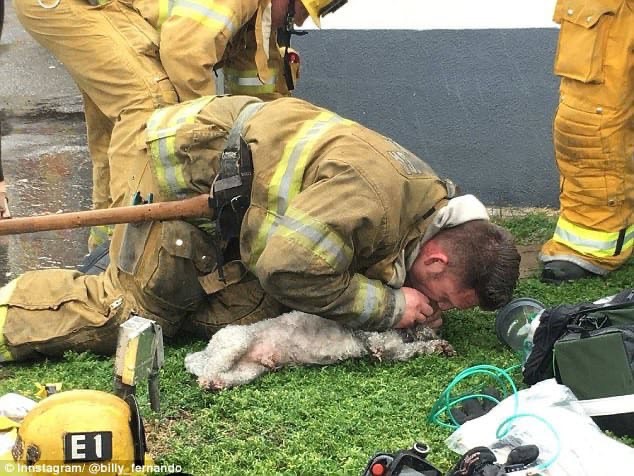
(440, 14)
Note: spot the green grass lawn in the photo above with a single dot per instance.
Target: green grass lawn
(318, 420)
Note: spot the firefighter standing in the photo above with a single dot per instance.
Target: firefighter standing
(338, 221)
(594, 140)
(111, 49)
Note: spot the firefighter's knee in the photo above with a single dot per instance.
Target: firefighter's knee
(240, 303)
(161, 262)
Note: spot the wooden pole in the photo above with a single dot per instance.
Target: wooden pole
(175, 210)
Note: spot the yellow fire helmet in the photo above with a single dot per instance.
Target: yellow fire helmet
(318, 8)
(81, 432)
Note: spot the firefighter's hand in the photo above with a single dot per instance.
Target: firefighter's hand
(435, 320)
(4, 202)
(418, 309)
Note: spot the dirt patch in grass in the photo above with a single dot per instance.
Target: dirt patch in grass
(530, 265)
(511, 212)
(160, 433)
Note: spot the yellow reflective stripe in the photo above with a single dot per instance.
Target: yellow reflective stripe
(5, 294)
(162, 125)
(209, 14)
(247, 76)
(367, 301)
(287, 179)
(233, 88)
(248, 82)
(100, 234)
(160, 149)
(317, 237)
(204, 224)
(156, 119)
(588, 242)
(164, 11)
(160, 135)
(629, 238)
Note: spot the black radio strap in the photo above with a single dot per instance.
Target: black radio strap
(230, 194)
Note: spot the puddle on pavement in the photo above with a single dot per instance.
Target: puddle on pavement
(48, 170)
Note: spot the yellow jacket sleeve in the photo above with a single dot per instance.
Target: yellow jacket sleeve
(314, 258)
(194, 39)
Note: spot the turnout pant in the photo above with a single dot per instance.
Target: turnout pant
(594, 134)
(112, 54)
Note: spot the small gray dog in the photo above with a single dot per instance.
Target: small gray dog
(237, 355)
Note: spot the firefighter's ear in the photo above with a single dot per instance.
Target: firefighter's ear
(434, 257)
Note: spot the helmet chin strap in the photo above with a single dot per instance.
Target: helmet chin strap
(284, 37)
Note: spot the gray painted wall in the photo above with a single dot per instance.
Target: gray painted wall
(477, 105)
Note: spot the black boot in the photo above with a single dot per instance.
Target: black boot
(97, 261)
(557, 272)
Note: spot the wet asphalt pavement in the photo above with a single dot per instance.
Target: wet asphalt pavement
(44, 154)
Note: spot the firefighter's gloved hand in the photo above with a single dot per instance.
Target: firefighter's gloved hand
(4, 201)
(480, 461)
(475, 407)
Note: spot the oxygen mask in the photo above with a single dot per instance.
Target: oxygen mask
(516, 322)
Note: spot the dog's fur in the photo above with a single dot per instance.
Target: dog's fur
(237, 355)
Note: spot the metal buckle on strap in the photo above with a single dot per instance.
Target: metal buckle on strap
(239, 203)
(235, 161)
(228, 183)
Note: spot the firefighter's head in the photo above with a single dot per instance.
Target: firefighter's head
(78, 430)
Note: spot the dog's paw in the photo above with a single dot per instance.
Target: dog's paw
(212, 384)
(421, 332)
(443, 347)
(375, 348)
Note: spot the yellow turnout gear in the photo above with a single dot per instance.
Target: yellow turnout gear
(594, 134)
(198, 36)
(112, 54)
(111, 49)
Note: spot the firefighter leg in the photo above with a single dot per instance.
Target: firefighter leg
(594, 148)
(240, 303)
(47, 312)
(44, 313)
(112, 54)
(153, 271)
(99, 131)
